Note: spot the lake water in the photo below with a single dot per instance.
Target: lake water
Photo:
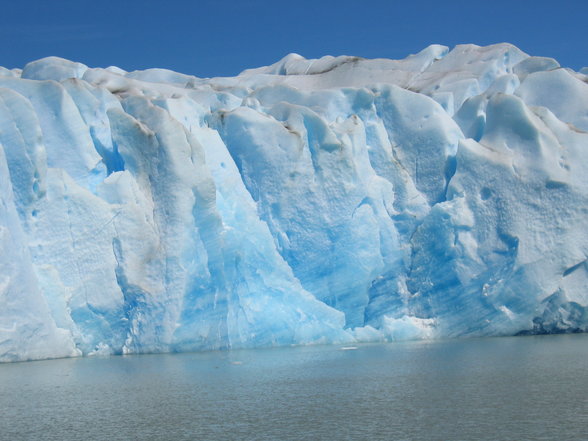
(519, 388)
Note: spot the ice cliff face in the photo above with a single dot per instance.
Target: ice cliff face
(330, 200)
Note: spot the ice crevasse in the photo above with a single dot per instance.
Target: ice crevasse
(311, 201)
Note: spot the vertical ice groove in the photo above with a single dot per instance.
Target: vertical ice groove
(27, 329)
(21, 135)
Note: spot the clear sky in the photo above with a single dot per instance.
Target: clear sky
(223, 37)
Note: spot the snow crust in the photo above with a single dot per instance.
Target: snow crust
(335, 200)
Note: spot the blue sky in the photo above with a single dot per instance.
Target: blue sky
(211, 38)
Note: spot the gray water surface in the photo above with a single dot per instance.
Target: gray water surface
(519, 388)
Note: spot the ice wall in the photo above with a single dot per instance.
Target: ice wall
(330, 200)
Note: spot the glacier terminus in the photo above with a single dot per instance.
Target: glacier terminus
(334, 200)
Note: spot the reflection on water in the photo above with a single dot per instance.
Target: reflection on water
(520, 388)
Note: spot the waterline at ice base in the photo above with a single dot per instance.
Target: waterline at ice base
(336, 200)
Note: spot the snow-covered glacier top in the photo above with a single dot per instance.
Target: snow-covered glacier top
(310, 201)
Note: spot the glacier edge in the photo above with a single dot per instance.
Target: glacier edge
(312, 201)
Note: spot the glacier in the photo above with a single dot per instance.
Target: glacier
(334, 200)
